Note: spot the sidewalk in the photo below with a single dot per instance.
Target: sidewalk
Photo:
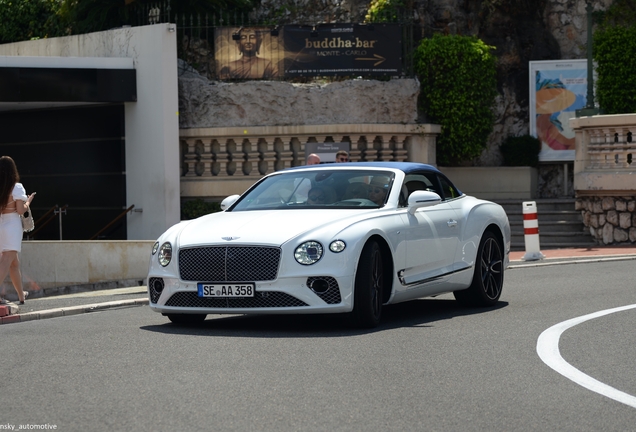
(578, 254)
(91, 301)
(72, 304)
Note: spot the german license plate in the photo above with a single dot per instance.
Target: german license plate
(225, 290)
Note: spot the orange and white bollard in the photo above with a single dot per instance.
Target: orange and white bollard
(531, 231)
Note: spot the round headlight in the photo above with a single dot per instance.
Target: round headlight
(337, 246)
(165, 254)
(308, 252)
(155, 247)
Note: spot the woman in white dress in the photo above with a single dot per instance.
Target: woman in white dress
(13, 203)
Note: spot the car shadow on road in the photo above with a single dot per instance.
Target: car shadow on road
(417, 313)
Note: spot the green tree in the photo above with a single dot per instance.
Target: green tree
(615, 56)
(28, 19)
(33, 19)
(458, 88)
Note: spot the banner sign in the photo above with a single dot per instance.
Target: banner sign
(343, 49)
(557, 89)
(248, 53)
(326, 151)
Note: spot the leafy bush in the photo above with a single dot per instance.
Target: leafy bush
(521, 151)
(193, 209)
(458, 87)
(22, 20)
(383, 11)
(615, 55)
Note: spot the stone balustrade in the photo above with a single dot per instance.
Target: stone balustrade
(217, 162)
(605, 176)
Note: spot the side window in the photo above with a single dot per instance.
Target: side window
(448, 189)
(419, 182)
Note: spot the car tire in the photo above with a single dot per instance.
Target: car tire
(369, 283)
(186, 319)
(487, 283)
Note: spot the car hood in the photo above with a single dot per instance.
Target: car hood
(273, 227)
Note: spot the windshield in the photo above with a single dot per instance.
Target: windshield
(319, 189)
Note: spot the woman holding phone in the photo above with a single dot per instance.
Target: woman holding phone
(13, 203)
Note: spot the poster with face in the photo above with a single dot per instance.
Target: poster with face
(557, 89)
(247, 53)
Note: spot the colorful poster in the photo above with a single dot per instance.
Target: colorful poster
(557, 89)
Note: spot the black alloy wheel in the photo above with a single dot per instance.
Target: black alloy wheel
(369, 284)
(487, 284)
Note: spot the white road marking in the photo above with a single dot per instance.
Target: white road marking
(548, 350)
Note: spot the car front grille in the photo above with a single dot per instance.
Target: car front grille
(261, 299)
(229, 263)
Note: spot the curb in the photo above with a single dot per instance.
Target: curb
(72, 310)
(563, 261)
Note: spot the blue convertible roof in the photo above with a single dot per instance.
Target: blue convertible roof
(407, 167)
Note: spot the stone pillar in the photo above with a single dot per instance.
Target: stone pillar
(207, 158)
(190, 157)
(268, 155)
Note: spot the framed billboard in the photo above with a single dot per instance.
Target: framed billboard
(557, 89)
(291, 51)
(343, 50)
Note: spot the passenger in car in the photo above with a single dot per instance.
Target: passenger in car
(378, 189)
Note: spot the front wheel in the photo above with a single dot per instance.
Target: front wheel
(186, 319)
(369, 283)
(487, 284)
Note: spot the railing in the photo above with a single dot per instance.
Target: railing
(239, 156)
(604, 158)
(111, 223)
(612, 148)
(196, 33)
(44, 220)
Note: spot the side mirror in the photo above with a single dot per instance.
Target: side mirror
(420, 199)
(227, 202)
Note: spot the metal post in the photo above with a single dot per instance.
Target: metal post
(589, 109)
(60, 211)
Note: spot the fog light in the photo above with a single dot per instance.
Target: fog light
(319, 286)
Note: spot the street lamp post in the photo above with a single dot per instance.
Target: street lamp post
(589, 109)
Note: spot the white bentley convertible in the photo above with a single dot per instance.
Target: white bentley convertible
(335, 238)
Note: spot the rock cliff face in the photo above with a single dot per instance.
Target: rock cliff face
(521, 31)
(204, 103)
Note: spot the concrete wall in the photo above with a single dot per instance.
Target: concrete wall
(152, 123)
(495, 183)
(49, 265)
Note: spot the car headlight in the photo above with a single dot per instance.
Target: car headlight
(337, 246)
(308, 252)
(165, 254)
(155, 247)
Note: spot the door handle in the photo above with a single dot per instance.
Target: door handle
(452, 223)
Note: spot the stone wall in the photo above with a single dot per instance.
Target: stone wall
(611, 220)
(204, 103)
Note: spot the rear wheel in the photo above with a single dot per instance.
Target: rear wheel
(487, 284)
(367, 300)
(186, 319)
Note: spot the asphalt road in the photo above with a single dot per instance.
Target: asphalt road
(431, 365)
